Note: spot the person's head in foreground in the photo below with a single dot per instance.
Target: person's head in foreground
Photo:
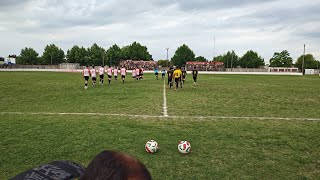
(117, 166)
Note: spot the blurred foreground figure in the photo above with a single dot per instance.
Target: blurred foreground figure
(106, 165)
(115, 165)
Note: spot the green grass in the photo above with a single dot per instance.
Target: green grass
(221, 149)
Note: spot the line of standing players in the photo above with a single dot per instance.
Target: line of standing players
(92, 72)
(177, 75)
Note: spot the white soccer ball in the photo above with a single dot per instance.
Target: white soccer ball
(151, 146)
(184, 147)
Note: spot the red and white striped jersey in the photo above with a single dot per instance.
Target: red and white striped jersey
(137, 71)
(109, 71)
(101, 71)
(123, 71)
(115, 72)
(93, 72)
(86, 72)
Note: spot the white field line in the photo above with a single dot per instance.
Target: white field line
(164, 117)
(165, 108)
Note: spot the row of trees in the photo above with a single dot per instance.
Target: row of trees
(250, 59)
(93, 55)
(98, 55)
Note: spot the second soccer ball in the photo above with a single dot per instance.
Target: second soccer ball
(151, 146)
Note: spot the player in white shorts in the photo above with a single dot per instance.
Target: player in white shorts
(86, 74)
(101, 74)
(133, 73)
(123, 73)
(93, 73)
(115, 74)
(137, 73)
(109, 72)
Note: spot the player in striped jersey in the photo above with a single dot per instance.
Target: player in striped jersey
(101, 74)
(133, 73)
(123, 73)
(93, 73)
(86, 74)
(115, 74)
(137, 73)
(109, 72)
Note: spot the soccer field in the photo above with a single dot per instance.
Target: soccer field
(239, 126)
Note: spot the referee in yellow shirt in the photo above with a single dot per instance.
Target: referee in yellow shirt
(177, 77)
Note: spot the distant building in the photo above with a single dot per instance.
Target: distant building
(69, 66)
(283, 69)
(10, 60)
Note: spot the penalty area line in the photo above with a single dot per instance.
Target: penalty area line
(165, 108)
(163, 117)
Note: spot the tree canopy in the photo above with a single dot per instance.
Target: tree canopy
(28, 56)
(52, 55)
(230, 59)
(281, 59)
(182, 55)
(136, 51)
(251, 60)
(114, 55)
(164, 63)
(309, 62)
(200, 59)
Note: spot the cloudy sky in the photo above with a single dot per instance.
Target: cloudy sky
(265, 26)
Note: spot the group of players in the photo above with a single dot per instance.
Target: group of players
(174, 75)
(92, 72)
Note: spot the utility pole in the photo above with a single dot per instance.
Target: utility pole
(168, 56)
(214, 47)
(304, 52)
(231, 59)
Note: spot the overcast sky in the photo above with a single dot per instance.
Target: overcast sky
(265, 26)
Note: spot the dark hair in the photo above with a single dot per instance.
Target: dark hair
(115, 165)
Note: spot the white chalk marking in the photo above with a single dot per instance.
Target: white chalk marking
(164, 117)
(165, 108)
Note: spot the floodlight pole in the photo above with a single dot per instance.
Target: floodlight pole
(231, 60)
(51, 58)
(304, 52)
(168, 55)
